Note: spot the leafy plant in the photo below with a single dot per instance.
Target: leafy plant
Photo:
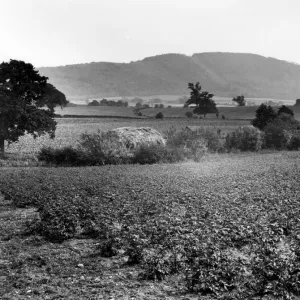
(159, 115)
(244, 139)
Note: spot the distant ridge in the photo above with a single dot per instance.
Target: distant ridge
(222, 73)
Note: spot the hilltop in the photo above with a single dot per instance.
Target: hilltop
(224, 74)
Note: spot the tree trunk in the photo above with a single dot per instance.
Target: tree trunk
(3, 131)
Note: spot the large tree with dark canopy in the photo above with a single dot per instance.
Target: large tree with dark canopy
(27, 102)
(202, 99)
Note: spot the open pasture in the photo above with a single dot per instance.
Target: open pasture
(69, 129)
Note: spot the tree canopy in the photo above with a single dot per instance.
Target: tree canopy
(27, 102)
(240, 100)
(202, 100)
(265, 114)
(285, 110)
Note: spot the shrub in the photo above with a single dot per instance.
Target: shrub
(244, 139)
(279, 132)
(159, 115)
(294, 143)
(92, 150)
(61, 156)
(100, 149)
(194, 143)
(149, 154)
(189, 114)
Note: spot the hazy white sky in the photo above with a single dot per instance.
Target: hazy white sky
(60, 32)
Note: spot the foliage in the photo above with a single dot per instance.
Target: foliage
(62, 217)
(277, 133)
(189, 114)
(23, 94)
(159, 115)
(297, 102)
(91, 150)
(244, 139)
(294, 143)
(285, 110)
(240, 100)
(68, 156)
(119, 103)
(241, 242)
(149, 154)
(264, 115)
(202, 99)
(94, 103)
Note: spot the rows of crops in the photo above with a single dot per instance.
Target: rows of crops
(231, 226)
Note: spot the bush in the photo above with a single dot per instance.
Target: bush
(92, 150)
(244, 139)
(159, 115)
(201, 140)
(61, 156)
(294, 143)
(189, 114)
(279, 132)
(149, 154)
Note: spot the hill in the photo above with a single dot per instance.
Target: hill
(224, 74)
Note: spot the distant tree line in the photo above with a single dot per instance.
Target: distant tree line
(105, 102)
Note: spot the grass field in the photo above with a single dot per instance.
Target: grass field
(247, 190)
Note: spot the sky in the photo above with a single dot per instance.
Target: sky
(62, 32)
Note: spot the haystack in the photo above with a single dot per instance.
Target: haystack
(134, 137)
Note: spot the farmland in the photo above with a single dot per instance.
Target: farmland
(231, 203)
(144, 232)
(69, 129)
(233, 113)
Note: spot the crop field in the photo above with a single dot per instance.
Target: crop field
(223, 228)
(233, 113)
(105, 111)
(69, 129)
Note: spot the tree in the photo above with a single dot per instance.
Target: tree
(159, 115)
(263, 116)
(137, 100)
(202, 99)
(240, 100)
(297, 102)
(104, 102)
(94, 103)
(27, 102)
(284, 109)
(182, 99)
